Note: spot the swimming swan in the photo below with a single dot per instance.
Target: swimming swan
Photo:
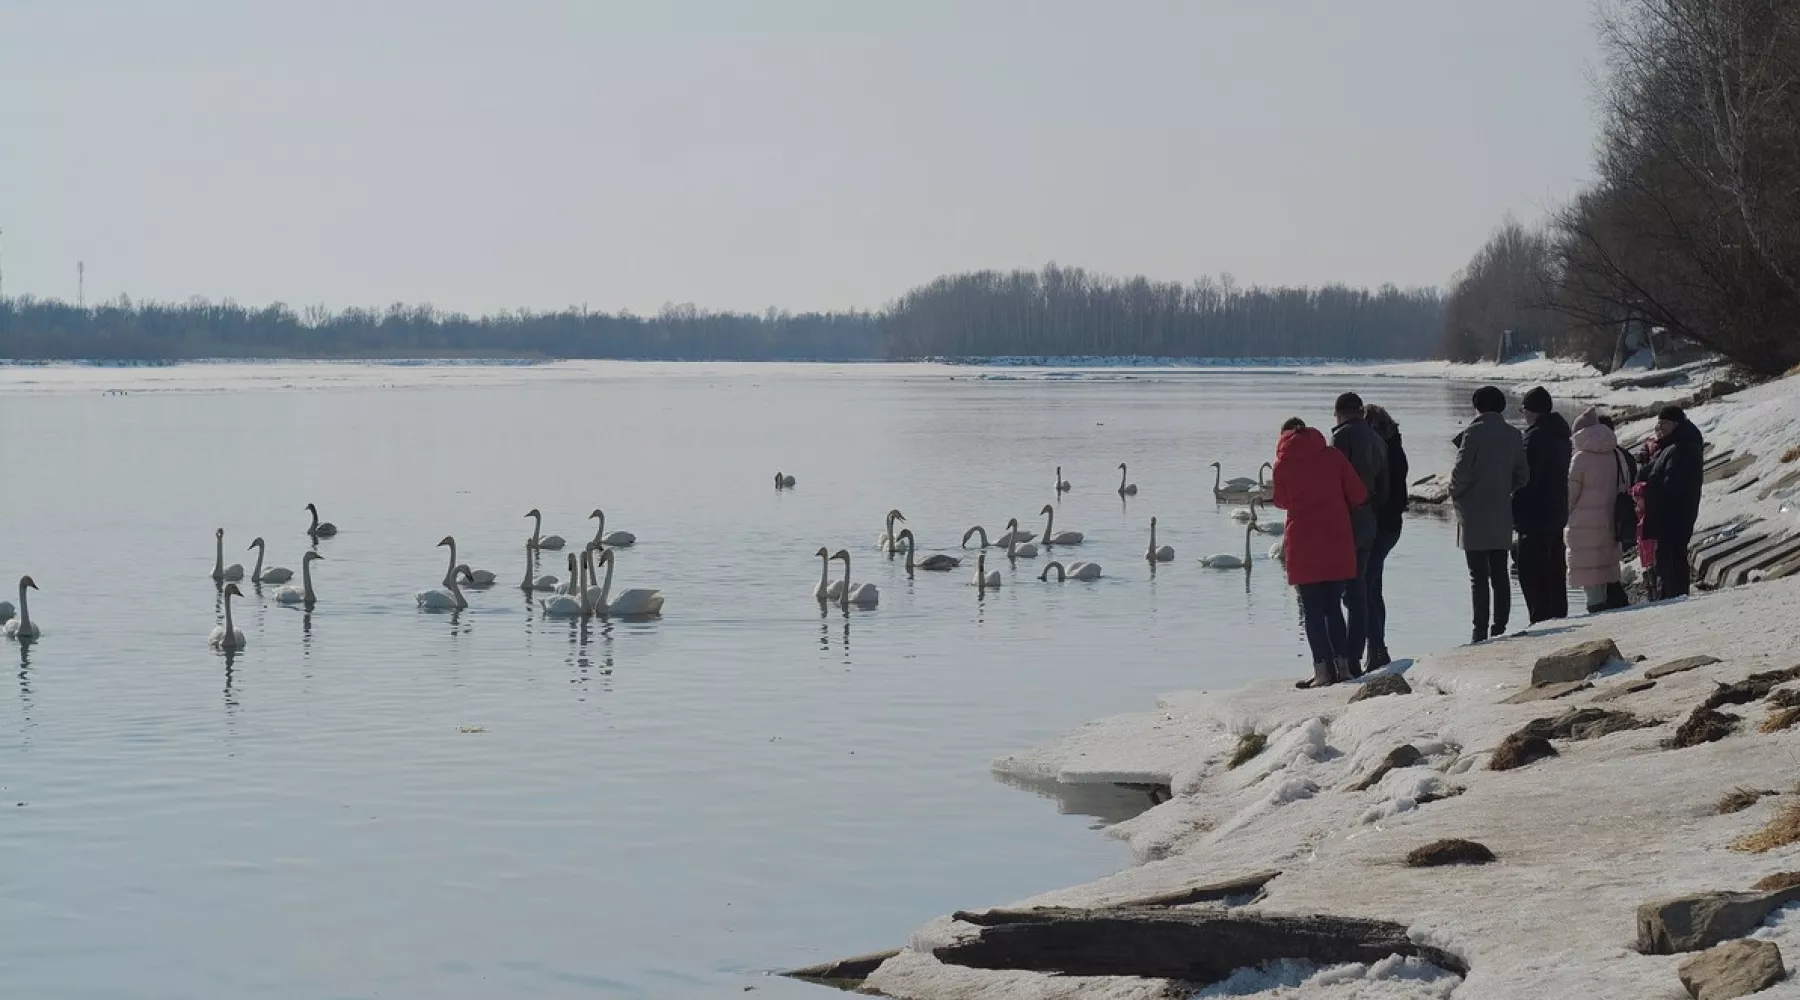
(227, 636)
(320, 529)
(235, 571)
(865, 595)
(1125, 489)
(1017, 548)
(616, 539)
(451, 597)
(827, 590)
(783, 482)
(1158, 553)
(532, 582)
(477, 577)
(1062, 485)
(1013, 533)
(888, 542)
(571, 586)
(539, 540)
(304, 595)
(1231, 489)
(937, 562)
(1077, 571)
(1265, 527)
(23, 627)
(1054, 537)
(274, 574)
(571, 602)
(1226, 560)
(639, 601)
(985, 579)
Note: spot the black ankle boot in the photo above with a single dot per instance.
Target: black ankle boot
(1479, 636)
(1378, 658)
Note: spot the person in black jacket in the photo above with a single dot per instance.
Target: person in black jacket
(1368, 456)
(1389, 513)
(1541, 510)
(1672, 497)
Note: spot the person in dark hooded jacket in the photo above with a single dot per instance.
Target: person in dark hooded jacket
(1368, 456)
(1541, 510)
(1672, 483)
(1390, 512)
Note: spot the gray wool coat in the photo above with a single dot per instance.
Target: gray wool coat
(1490, 465)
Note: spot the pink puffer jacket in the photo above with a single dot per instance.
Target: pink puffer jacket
(1597, 475)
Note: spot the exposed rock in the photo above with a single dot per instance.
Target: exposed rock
(1701, 920)
(1677, 666)
(1618, 691)
(1733, 969)
(1248, 885)
(1249, 745)
(1785, 697)
(1703, 725)
(1450, 792)
(1783, 829)
(844, 971)
(1449, 852)
(1195, 946)
(1548, 692)
(1574, 663)
(1405, 755)
(1379, 685)
(1585, 724)
(1518, 750)
(1779, 880)
(1750, 688)
(1740, 799)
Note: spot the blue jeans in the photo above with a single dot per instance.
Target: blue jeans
(1372, 578)
(1322, 608)
(1356, 591)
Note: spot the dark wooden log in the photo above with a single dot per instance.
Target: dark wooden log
(1196, 946)
(1248, 885)
(845, 970)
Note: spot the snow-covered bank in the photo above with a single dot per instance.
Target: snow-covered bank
(1582, 838)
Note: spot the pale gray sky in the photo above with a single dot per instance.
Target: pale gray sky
(496, 154)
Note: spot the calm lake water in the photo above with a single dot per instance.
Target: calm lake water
(377, 801)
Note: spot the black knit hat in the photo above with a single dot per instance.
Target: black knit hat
(1671, 413)
(1537, 401)
(1349, 402)
(1490, 400)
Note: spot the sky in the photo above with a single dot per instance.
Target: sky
(742, 154)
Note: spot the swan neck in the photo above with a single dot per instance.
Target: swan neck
(606, 584)
(230, 632)
(256, 574)
(24, 610)
(449, 574)
(600, 527)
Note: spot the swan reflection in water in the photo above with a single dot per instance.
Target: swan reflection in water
(825, 612)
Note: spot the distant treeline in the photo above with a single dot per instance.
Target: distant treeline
(1059, 311)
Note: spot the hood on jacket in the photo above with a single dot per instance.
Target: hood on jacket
(1301, 442)
(1589, 417)
(1551, 424)
(1595, 437)
(1684, 433)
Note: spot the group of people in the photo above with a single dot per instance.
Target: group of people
(1565, 503)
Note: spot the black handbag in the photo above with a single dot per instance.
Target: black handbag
(1624, 508)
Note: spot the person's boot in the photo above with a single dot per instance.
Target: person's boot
(1321, 677)
(1594, 609)
(1497, 630)
(1378, 658)
(1479, 636)
(1346, 668)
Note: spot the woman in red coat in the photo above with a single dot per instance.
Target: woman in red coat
(1317, 486)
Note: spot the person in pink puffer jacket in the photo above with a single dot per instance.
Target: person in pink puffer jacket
(1598, 474)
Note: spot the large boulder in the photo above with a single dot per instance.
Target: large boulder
(1574, 663)
(1733, 969)
(1703, 919)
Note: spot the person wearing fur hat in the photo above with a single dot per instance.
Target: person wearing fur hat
(1672, 497)
(1541, 510)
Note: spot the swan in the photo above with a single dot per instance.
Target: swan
(1125, 489)
(1158, 553)
(571, 586)
(1017, 548)
(783, 482)
(827, 590)
(572, 602)
(986, 579)
(1265, 527)
(235, 571)
(1278, 551)
(274, 574)
(451, 597)
(539, 540)
(320, 529)
(22, 627)
(1231, 489)
(865, 595)
(888, 543)
(1077, 571)
(7, 611)
(972, 532)
(1226, 560)
(1013, 533)
(1062, 485)
(936, 562)
(1243, 515)
(532, 581)
(1054, 537)
(227, 636)
(477, 577)
(616, 539)
(639, 601)
(304, 594)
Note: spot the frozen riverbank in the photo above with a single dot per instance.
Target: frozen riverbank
(1581, 838)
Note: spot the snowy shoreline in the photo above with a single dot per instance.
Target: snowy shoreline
(1581, 838)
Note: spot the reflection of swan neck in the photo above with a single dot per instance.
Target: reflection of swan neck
(981, 560)
(1247, 532)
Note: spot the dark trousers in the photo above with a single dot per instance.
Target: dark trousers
(1672, 566)
(1322, 610)
(1487, 572)
(1544, 576)
(1373, 576)
(1356, 590)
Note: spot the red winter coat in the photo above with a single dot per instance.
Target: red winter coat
(1317, 486)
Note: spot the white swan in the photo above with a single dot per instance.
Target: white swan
(1231, 489)
(532, 581)
(1278, 551)
(573, 585)
(227, 636)
(7, 611)
(221, 572)
(573, 602)
(23, 627)
(865, 595)
(615, 539)
(1125, 489)
(304, 594)
(320, 529)
(783, 482)
(1017, 548)
(937, 562)
(972, 532)
(1077, 571)
(451, 597)
(1013, 533)
(1226, 560)
(637, 602)
(1054, 537)
(985, 579)
(1062, 485)
(1265, 527)
(888, 543)
(274, 574)
(1158, 553)
(539, 540)
(477, 577)
(828, 589)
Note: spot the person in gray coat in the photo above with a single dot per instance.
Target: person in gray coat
(1490, 466)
